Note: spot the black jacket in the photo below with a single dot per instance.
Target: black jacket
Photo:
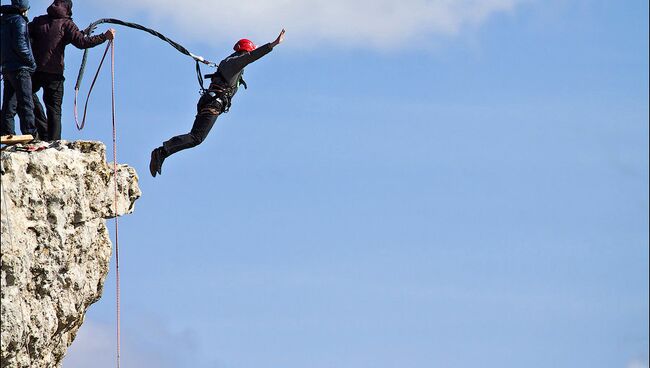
(15, 48)
(230, 70)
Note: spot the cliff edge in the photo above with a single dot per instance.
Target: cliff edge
(55, 245)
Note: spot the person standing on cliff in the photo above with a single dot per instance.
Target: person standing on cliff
(16, 64)
(215, 100)
(51, 33)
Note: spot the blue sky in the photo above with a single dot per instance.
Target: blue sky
(433, 184)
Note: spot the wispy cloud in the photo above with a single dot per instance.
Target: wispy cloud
(151, 346)
(638, 363)
(365, 23)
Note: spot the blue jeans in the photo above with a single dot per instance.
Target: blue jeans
(17, 98)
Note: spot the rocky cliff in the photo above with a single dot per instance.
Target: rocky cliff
(55, 244)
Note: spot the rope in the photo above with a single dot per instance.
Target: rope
(117, 244)
(82, 69)
(174, 44)
(111, 47)
(92, 85)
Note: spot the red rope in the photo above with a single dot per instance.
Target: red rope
(111, 46)
(117, 244)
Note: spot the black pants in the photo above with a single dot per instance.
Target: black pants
(49, 127)
(17, 97)
(208, 110)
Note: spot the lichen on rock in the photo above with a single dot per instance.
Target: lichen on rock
(55, 245)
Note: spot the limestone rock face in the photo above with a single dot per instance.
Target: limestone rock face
(55, 245)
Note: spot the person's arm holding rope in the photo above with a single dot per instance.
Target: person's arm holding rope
(81, 41)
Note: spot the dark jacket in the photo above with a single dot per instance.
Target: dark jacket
(230, 70)
(51, 33)
(15, 49)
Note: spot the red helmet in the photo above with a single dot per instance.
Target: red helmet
(244, 45)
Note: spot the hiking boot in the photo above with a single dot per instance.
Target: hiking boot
(154, 163)
(157, 159)
(162, 155)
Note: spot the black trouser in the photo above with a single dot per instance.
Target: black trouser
(17, 97)
(49, 128)
(208, 109)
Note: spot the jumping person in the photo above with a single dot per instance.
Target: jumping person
(51, 33)
(17, 64)
(215, 100)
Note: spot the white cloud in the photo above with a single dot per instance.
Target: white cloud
(146, 345)
(95, 344)
(367, 23)
(639, 363)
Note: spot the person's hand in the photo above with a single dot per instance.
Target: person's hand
(110, 34)
(278, 40)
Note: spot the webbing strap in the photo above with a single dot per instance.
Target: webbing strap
(174, 44)
(199, 76)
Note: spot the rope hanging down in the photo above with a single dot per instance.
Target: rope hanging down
(111, 47)
(117, 244)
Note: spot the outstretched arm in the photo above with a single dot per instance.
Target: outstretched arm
(254, 55)
(278, 40)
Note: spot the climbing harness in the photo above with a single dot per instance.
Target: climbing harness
(220, 91)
